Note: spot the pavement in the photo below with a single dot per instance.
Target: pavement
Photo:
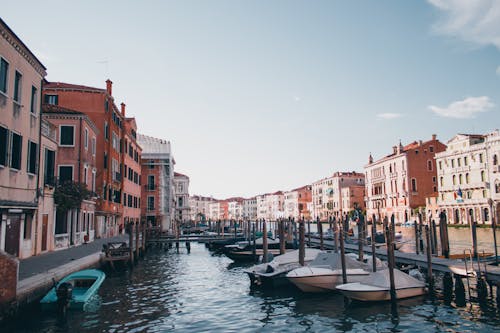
(50, 261)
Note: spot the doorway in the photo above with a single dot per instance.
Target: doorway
(45, 224)
(12, 234)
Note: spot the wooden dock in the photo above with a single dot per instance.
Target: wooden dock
(438, 264)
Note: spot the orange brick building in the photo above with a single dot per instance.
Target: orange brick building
(131, 161)
(99, 106)
(400, 182)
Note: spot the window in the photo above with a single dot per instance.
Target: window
(151, 203)
(431, 149)
(434, 179)
(460, 179)
(93, 146)
(480, 158)
(151, 182)
(66, 135)
(466, 162)
(85, 171)
(33, 100)
(483, 176)
(429, 165)
(51, 99)
(115, 142)
(4, 143)
(105, 160)
(4, 69)
(32, 157)
(467, 178)
(440, 165)
(86, 139)
(495, 159)
(454, 180)
(49, 167)
(93, 180)
(17, 87)
(65, 173)
(458, 162)
(15, 151)
(151, 164)
(414, 185)
(441, 181)
(452, 163)
(106, 130)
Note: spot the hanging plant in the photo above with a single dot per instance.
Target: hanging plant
(69, 195)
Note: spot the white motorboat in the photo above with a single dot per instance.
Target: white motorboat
(376, 287)
(324, 273)
(273, 274)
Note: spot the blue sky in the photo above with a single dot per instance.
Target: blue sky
(259, 96)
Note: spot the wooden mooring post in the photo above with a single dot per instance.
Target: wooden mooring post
(391, 262)
(342, 252)
(374, 234)
(302, 245)
(264, 241)
(320, 231)
(361, 225)
(429, 257)
(443, 234)
(131, 242)
(136, 241)
(309, 231)
(282, 236)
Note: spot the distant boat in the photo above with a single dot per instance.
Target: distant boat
(324, 273)
(376, 287)
(75, 290)
(273, 274)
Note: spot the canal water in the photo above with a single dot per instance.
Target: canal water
(205, 292)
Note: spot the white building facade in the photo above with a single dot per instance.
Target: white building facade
(464, 183)
(250, 209)
(181, 190)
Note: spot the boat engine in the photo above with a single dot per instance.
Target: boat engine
(64, 294)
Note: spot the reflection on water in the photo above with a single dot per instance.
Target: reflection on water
(200, 292)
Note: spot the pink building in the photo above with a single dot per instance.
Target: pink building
(75, 162)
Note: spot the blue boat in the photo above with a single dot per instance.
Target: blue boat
(74, 290)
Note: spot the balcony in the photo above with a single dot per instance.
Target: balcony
(117, 177)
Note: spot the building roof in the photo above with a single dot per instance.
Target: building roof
(69, 86)
(28, 54)
(178, 174)
(53, 111)
(153, 146)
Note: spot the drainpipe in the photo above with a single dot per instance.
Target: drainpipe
(37, 220)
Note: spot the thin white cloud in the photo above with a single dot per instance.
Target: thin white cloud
(466, 109)
(475, 21)
(297, 98)
(389, 115)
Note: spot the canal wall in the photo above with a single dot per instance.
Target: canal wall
(9, 270)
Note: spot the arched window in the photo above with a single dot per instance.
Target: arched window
(467, 178)
(454, 180)
(441, 181)
(486, 215)
(414, 184)
(460, 178)
(495, 159)
(483, 176)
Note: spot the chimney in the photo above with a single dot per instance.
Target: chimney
(434, 136)
(109, 87)
(123, 109)
(419, 142)
(394, 149)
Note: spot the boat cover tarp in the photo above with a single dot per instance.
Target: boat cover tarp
(401, 280)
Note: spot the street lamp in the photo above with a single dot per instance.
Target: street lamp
(494, 227)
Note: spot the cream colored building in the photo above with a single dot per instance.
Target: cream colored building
(464, 179)
(181, 193)
(327, 194)
(235, 209)
(199, 207)
(493, 151)
(250, 209)
(214, 211)
(21, 75)
(262, 208)
(274, 204)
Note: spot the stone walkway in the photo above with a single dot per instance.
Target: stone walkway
(48, 261)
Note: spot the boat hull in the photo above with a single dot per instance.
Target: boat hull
(383, 294)
(323, 283)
